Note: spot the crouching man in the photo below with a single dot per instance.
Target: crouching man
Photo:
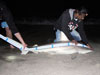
(7, 22)
(70, 26)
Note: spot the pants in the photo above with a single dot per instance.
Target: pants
(60, 36)
(76, 35)
(4, 24)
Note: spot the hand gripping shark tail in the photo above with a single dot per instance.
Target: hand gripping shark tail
(43, 48)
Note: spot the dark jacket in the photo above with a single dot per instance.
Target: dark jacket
(7, 16)
(63, 22)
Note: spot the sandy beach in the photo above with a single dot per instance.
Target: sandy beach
(13, 63)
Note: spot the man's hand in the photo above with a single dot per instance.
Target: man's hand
(74, 41)
(24, 45)
(89, 47)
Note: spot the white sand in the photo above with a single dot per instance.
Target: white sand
(46, 64)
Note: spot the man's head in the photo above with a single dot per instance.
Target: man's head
(80, 13)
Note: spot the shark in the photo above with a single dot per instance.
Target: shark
(65, 47)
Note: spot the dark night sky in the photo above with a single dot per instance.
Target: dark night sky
(50, 8)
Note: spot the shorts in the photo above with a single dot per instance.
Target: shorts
(4, 24)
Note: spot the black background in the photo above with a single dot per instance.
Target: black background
(50, 8)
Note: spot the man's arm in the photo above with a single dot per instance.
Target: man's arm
(64, 25)
(19, 37)
(82, 34)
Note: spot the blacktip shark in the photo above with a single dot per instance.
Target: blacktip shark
(53, 48)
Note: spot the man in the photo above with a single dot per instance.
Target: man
(70, 26)
(7, 22)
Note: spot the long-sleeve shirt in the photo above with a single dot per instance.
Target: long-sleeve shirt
(63, 24)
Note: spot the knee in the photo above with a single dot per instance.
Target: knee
(77, 35)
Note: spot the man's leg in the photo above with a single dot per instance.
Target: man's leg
(9, 34)
(8, 31)
(58, 36)
(76, 35)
